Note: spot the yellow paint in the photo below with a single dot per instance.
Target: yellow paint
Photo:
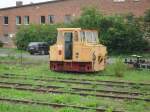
(83, 50)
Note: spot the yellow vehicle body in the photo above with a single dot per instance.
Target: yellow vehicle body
(77, 50)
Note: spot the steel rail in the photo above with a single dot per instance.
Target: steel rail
(105, 81)
(24, 63)
(54, 105)
(50, 90)
(79, 89)
(69, 81)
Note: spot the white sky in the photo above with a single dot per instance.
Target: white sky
(8, 3)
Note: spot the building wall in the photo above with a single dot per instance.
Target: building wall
(68, 7)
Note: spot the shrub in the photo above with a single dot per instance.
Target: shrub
(110, 109)
(119, 68)
(35, 33)
(1, 44)
(123, 37)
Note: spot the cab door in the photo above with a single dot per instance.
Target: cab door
(68, 41)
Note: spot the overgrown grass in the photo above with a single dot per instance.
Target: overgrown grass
(42, 70)
(7, 107)
(74, 100)
(118, 68)
(89, 101)
(13, 50)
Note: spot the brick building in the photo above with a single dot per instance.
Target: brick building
(60, 11)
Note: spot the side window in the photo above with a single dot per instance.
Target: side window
(51, 19)
(91, 37)
(76, 36)
(88, 36)
(42, 20)
(95, 36)
(26, 20)
(6, 20)
(82, 36)
(18, 20)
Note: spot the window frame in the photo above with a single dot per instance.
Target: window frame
(5, 21)
(18, 20)
(26, 20)
(41, 20)
(51, 19)
(89, 37)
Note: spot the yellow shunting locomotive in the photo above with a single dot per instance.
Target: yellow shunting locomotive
(77, 50)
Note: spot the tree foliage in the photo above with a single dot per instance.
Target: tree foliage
(118, 33)
(147, 16)
(35, 33)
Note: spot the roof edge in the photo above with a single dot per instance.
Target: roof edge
(40, 3)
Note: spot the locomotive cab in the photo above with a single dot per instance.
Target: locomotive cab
(77, 50)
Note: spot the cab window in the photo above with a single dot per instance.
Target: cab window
(76, 36)
(82, 36)
(91, 37)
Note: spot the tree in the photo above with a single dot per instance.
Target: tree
(35, 33)
(118, 33)
(147, 16)
(89, 19)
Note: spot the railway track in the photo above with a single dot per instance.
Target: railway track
(91, 90)
(15, 63)
(54, 105)
(115, 82)
(77, 79)
(55, 89)
(80, 81)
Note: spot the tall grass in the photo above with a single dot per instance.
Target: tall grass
(119, 68)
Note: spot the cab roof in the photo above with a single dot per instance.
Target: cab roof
(73, 29)
(68, 29)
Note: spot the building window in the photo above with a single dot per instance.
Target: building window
(42, 20)
(18, 20)
(119, 0)
(51, 18)
(68, 18)
(26, 20)
(5, 20)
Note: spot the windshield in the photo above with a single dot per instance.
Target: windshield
(89, 36)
